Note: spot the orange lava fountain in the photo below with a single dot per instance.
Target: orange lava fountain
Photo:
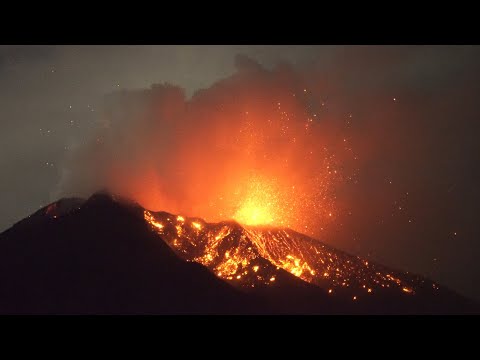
(255, 147)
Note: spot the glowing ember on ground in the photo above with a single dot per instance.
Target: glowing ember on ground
(149, 217)
(196, 225)
(253, 256)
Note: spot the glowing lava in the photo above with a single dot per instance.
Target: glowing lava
(256, 256)
(260, 206)
(254, 213)
(256, 147)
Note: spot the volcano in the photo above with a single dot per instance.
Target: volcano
(109, 255)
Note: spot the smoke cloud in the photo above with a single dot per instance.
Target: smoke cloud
(256, 146)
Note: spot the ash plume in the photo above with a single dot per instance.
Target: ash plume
(256, 144)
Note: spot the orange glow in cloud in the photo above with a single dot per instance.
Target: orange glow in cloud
(260, 205)
(251, 148)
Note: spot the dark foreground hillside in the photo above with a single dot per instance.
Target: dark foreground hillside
(101, 257)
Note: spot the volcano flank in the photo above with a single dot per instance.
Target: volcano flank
(107, 255)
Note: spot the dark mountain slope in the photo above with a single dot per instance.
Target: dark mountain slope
(106, 256)
(103, 259)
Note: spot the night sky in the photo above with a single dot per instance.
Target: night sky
(412, 115)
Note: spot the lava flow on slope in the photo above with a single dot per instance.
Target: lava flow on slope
(110, 255)
(252, 256)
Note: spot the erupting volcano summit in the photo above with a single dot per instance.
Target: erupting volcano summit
(110, 255)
